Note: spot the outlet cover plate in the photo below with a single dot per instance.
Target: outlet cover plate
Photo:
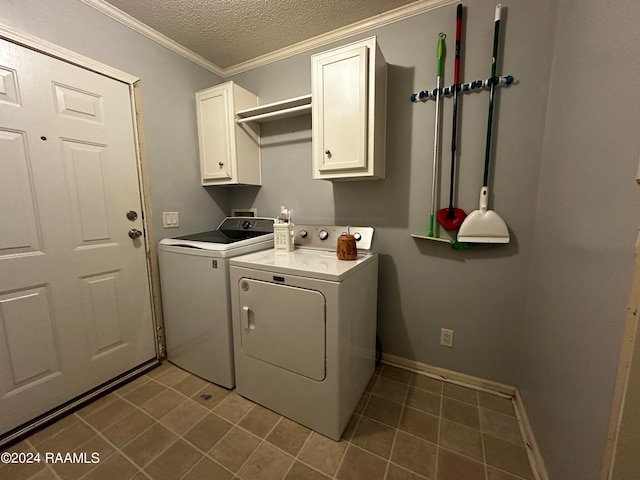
(446, 337)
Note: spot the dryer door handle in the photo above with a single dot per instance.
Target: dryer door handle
(244, 318)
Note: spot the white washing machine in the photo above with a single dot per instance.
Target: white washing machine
(304, 327)
(194, 277)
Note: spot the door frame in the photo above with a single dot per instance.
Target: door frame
(627, 360)
(42, 46)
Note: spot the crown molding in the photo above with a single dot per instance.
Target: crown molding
(153, 35)
(366, 25)
(377, 21)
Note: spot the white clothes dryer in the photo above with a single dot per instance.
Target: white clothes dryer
(305, 327)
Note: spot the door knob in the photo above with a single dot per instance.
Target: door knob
(134, 233)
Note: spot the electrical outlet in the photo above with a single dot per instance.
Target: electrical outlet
(446, 337)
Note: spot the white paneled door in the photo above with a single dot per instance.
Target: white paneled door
(75, 307)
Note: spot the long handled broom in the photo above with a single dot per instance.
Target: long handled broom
(484, 225)
(451, 218)
(436, 141)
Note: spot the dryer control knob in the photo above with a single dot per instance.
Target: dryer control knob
(303, 233)
(357, 236)
(323, 234)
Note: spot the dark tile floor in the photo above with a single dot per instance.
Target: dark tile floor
(169, 424)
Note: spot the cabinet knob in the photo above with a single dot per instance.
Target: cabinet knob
(221, 164)
(328, 152)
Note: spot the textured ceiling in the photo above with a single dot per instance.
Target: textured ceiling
(230, 32)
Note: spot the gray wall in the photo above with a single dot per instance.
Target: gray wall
(585, 229)
(543, 313)
(168, 83)
(425, 285)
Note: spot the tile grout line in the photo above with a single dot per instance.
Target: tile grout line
(239, 427)
(397, 427)
(116, 448)
(178, 436)
(205, 454)
(141, 469)
(484, 452)
(435, 473)
(275, 446)
(47, 467)
(119, 449)
(395, 433)
(348, 442)
(344, 454)
(211, 411)
(97, 434)
(261, 442)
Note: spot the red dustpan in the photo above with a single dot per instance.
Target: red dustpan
(451, 218)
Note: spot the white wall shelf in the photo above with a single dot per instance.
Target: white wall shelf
(275, 111)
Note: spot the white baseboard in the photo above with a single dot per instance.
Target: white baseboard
(451, 376)
(489, 386)
(535, 457)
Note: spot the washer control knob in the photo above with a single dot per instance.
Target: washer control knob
(323, 234)
(357, 236)
(246, 224)
(304, 233)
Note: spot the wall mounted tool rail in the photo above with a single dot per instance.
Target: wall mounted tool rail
(474, 86)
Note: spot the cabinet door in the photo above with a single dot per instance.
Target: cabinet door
(215, 134)
(340, 81)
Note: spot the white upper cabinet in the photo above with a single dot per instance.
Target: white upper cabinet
(349, 90)
(229, 152)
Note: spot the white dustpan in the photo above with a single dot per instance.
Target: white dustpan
(483, 225)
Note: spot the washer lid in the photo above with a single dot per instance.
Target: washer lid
(234, 233)
(217, 249)
(320, 264)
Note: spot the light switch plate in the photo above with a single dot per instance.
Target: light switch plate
(170, 220)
